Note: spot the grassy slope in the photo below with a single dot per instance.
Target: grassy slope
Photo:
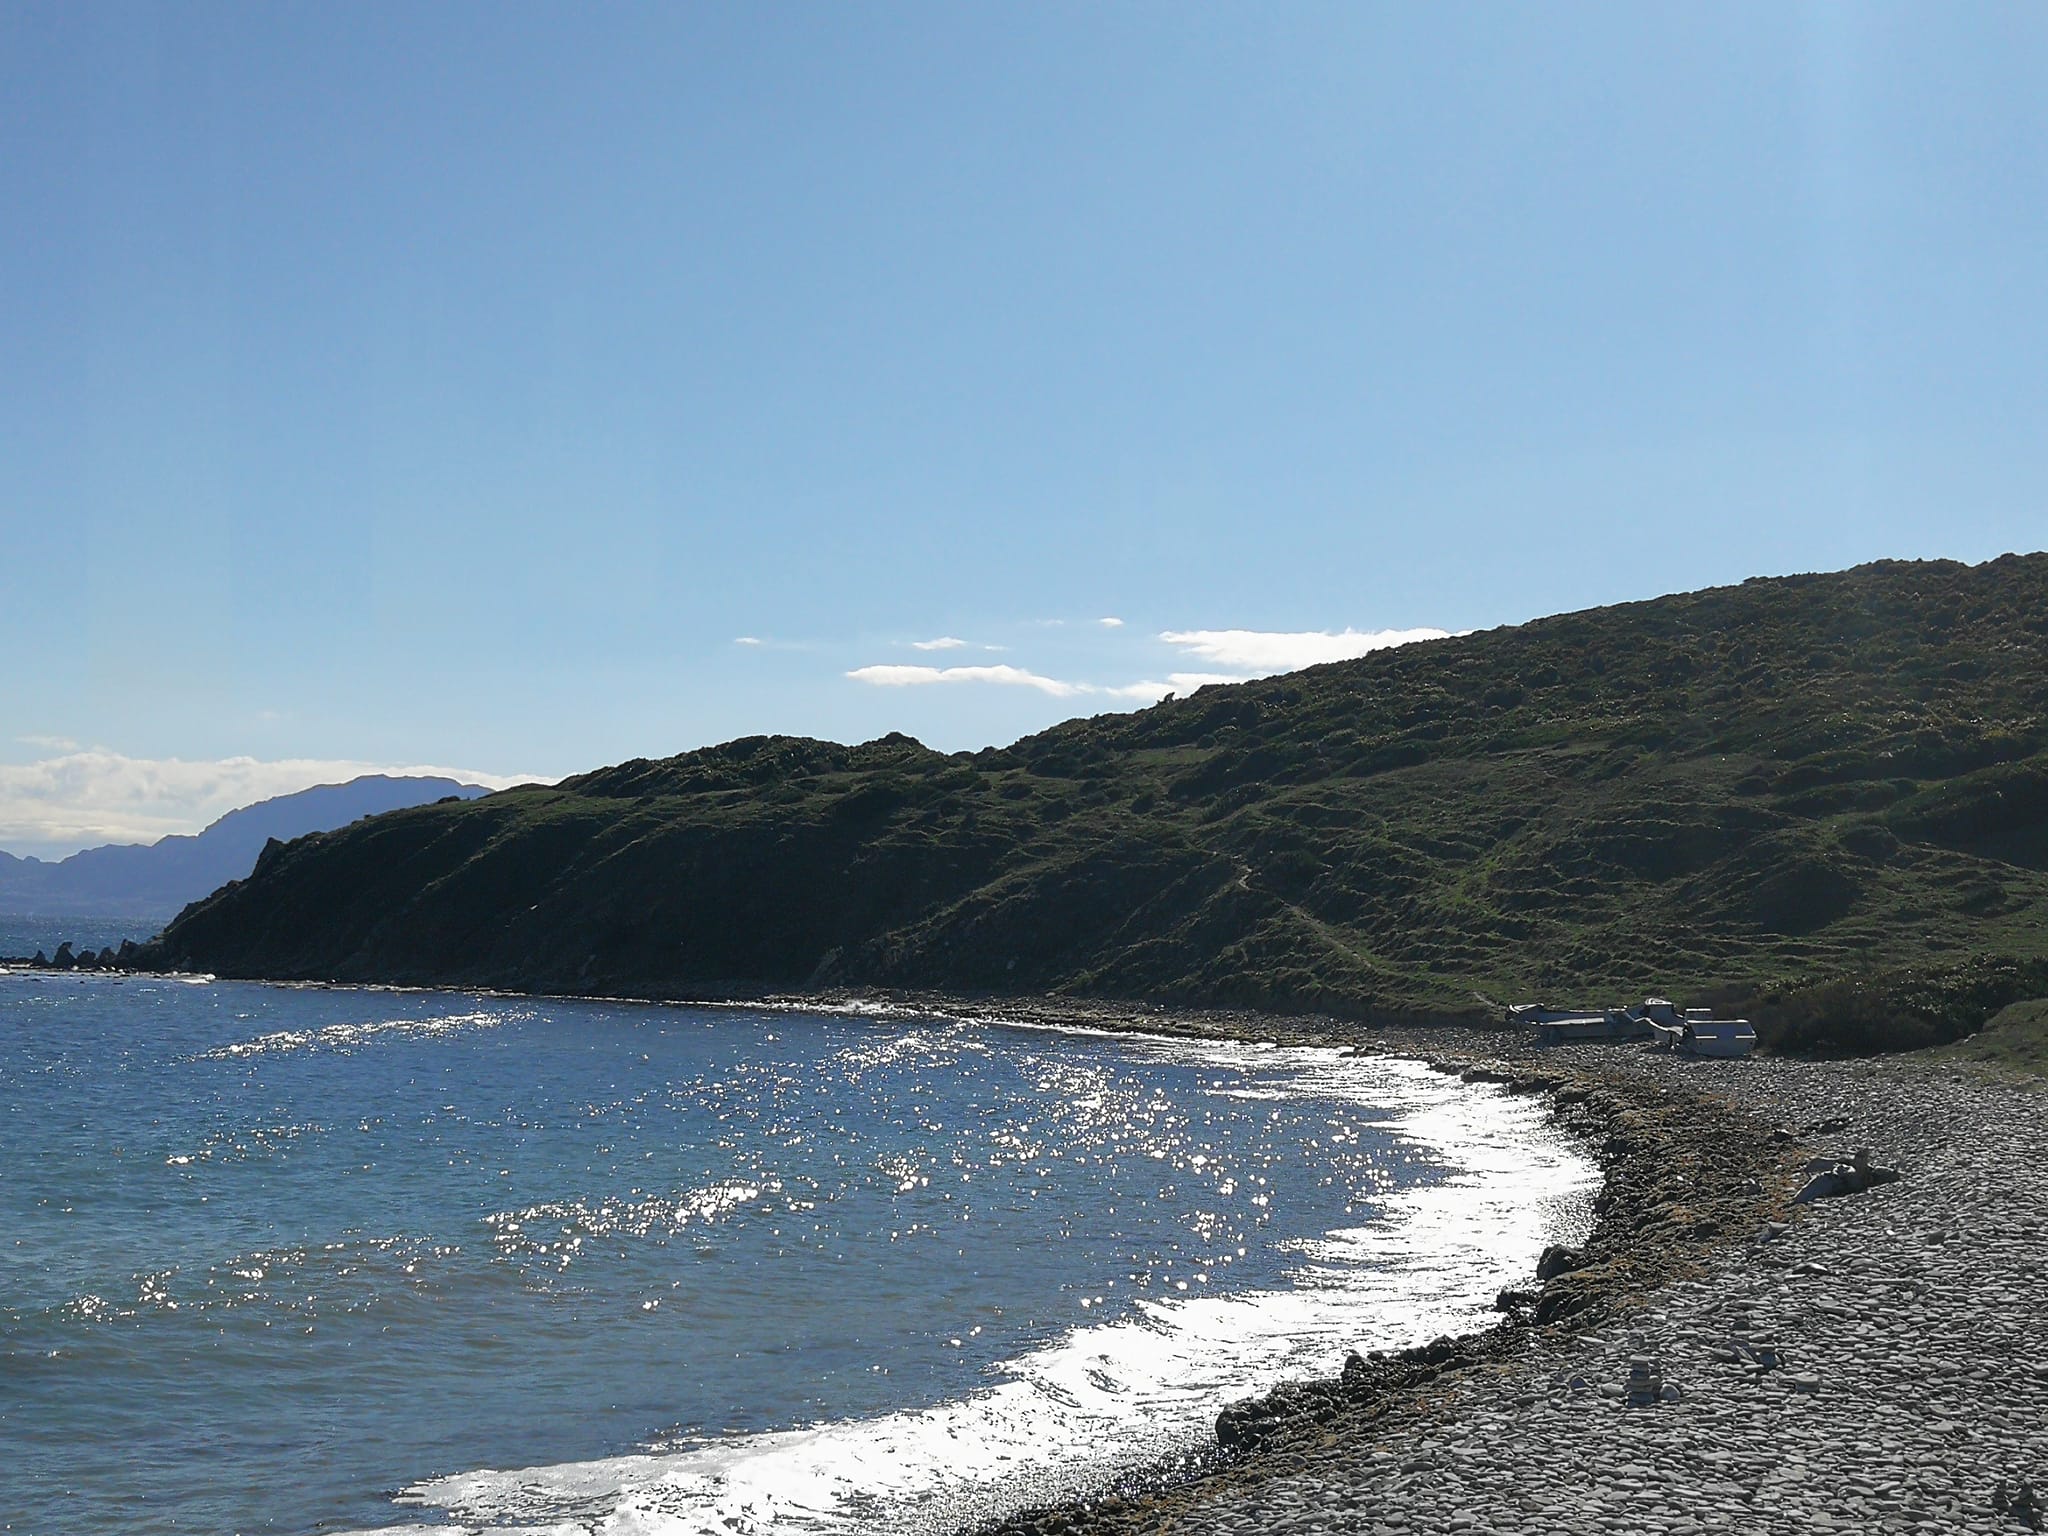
(1790, 778)
(2014, 1044)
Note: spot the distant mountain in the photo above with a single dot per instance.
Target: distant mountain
(156, 879)
(1788, 780)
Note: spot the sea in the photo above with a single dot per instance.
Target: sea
(297, 1259)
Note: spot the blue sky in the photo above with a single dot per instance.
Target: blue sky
(457, 385)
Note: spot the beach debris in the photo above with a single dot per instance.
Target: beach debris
(1835, 1176)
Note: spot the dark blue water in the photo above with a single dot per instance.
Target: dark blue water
(22, 934)
(275, 1257)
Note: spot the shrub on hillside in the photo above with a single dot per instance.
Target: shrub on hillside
(1905, 1010)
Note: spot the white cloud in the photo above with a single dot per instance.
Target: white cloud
(49, 743)
(918, 677)
(747, 640)
(82, 799)
(1249, 652)
(943, 643)
(1179, 683)
(1263, 652)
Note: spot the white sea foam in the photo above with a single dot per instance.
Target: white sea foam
(553, 1230)
(1123, 1394)
(342, 1037)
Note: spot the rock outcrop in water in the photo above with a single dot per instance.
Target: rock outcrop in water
(69, 958)
(1837, 780)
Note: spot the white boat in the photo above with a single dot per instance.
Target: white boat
(1555, 1026)
(1699, 1033)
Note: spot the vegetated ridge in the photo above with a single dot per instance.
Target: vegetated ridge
(1827, 793)
(156, 879)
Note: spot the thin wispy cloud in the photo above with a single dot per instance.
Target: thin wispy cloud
(1176, 683)
(1149, 691)
(1248, 653)
(49, 743)
(85, 798)
(1001, 675)
(1260, 652)
(748, 640)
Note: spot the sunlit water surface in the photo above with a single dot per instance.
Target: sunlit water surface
(287, 1259)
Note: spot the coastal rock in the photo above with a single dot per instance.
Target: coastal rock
(1557, 1260)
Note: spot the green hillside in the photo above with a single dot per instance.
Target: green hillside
(1794, 778)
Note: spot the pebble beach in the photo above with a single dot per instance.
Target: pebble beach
(1871, 1362)
(1911, 1384)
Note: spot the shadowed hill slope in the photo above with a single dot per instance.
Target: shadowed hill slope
(1792, 777)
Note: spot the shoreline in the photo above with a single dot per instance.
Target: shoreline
(1870, 1362)
(1684, 1179)
(1520, 1427)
